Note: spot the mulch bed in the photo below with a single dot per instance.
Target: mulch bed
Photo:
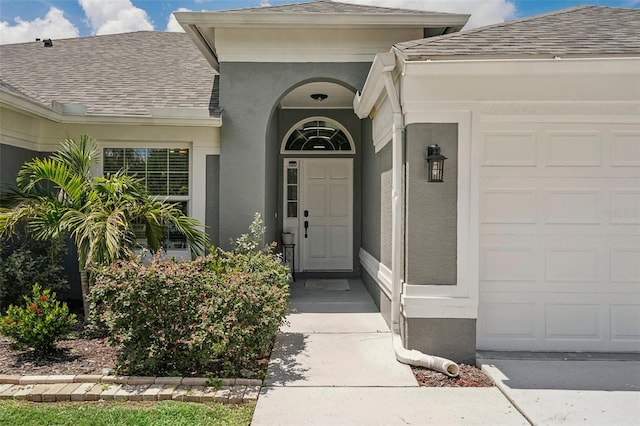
(94, 356)
(470, 377)
(76, 356)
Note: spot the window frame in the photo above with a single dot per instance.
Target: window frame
(171, 252)
(334, 123)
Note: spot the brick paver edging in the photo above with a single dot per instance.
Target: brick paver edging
(126, 388)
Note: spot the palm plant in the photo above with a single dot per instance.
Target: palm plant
(57, 197)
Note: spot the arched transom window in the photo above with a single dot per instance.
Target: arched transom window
(318, 134)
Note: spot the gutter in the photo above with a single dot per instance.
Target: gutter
(403, 355)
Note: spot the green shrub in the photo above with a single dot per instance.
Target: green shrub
(42, 322)
(217, 315)
(24, 261)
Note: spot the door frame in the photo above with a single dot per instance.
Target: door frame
(296, 225)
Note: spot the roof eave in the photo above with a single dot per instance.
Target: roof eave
(514, 57)
(311, 20)
(207, 49)
(469, 67)
(364, 102)
(20, 103)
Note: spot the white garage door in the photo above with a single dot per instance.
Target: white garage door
(560, 237)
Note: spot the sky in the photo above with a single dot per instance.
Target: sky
(26, 20)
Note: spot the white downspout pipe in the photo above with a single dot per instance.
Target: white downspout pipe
(403, 355)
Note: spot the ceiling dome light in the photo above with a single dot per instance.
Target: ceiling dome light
(319, 97)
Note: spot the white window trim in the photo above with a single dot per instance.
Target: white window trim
(177, 253)
(339, 126)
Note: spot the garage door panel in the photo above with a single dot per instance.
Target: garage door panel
(559, 237)
(573, 265)
(508, 321)
(536, 321)
(573, 148)
(515, 320)
(625, 265)
(507, 206)
(573, 206)
(595, 290)
(508, 264)
(624, 206)
(544, 172)
(549, 183)
(625, 322)
(625, 149)
(571, 321)
(603, 231)
(515, 149)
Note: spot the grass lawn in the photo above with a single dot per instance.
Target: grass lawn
(17, 413)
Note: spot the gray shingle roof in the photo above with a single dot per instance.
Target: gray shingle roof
(331, 7)
(579, 31)
(121, 74)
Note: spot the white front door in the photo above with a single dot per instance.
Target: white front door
(326, 214)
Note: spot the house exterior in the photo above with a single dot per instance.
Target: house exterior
(318, 115)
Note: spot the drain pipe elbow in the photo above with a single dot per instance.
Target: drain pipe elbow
(419, 359)
(403, 355)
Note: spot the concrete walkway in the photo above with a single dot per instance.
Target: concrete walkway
(333, 364)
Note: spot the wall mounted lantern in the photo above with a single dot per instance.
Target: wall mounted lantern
(435, 164)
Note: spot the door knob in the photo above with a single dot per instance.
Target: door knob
(306, 227)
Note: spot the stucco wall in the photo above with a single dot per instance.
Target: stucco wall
(370, 194)
(271, 182)
(382, 301)
(376, 213)
(11, 159)
(384, 163)
(249, 95)
(452, 338)
(212, 216)
(431, 208)
(376, 208)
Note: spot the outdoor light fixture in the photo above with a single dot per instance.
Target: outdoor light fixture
(435, 164)
(319, 97)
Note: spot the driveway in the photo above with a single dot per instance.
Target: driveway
(569, 388)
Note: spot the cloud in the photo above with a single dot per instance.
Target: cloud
(115, 16)
(483, 12)
(54, 25)
(173, 25)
